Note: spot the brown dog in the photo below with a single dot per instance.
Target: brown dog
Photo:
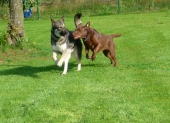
(95, 41)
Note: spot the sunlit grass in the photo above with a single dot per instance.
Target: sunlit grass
(32, 89)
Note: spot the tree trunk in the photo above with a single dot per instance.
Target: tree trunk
(16, 24)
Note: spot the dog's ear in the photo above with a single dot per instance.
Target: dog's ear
(88, 24)
(52, 20)
(62, 19)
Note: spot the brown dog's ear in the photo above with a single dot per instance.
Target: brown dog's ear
(88, 24)
(62, 19)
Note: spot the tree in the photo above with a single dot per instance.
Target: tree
(15, 27)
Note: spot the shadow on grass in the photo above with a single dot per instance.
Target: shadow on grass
(27, 70)
(32, 71)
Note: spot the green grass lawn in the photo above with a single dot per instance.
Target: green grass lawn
(32, 89)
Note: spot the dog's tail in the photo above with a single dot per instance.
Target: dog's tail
(77, 20)
(115, 35)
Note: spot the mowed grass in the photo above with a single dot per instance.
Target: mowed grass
(32, 89)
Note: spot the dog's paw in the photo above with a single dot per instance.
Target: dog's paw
(59, 64)
(88, 57)
(93, 58)
(115, 64)
(78, 70)
(79, 67)
(63, 74)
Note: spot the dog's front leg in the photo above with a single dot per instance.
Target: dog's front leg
(87, 53)
(60, 62)
(95, 51)
(93, 56)
(55, 56)
(64, 56)
(66, 63)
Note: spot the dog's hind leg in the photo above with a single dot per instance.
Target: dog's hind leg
(115, 60)
(113, 56)
(107, 54)
(79, 64)
(78, 55)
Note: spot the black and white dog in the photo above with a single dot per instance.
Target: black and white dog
(62, 42)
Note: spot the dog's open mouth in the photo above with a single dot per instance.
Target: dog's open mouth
(77, 37)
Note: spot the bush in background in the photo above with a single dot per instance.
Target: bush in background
(100, 7)
(59, 8)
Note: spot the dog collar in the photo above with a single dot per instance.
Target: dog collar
(86, 38)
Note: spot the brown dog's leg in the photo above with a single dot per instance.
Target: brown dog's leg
(107, 54)
(113, 54)
(87, 53)
(111, 57)
(115, 60)
(95, 51)
(93, 56)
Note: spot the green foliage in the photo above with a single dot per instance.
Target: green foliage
(100, 7)
(32, 89)
(21, 42)
(90, 7)
(4, 10)
(145, 5)
(3, 2)
(28, 4)
(3, 42)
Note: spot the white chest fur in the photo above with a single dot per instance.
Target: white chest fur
(59, 48)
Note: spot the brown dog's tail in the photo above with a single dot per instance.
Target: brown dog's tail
(115, 35)
(77, 20)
